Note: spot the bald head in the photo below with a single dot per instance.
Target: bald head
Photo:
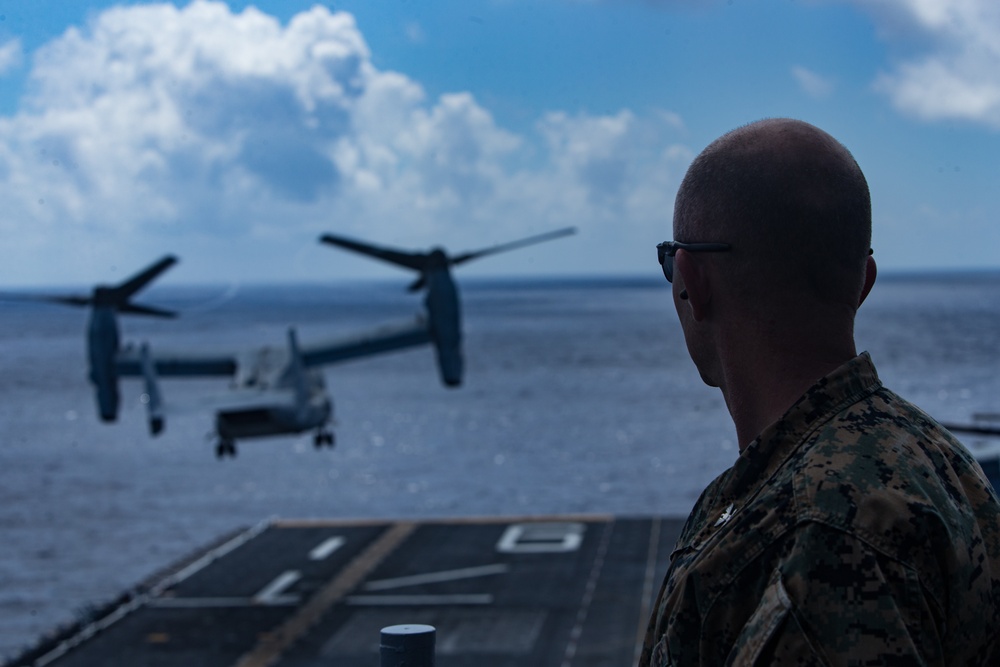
(794, 205)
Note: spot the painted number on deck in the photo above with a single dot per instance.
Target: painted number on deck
(555, 537)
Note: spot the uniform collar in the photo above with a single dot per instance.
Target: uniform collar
(762, 458)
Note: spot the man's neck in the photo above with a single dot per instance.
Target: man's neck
(761, 382)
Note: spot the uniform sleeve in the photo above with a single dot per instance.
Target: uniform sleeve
(832, 601)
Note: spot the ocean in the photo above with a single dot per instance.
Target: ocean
(579, 397)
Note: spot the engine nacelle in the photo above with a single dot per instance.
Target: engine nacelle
(450, 364)
(445, 321)
(106, 396)
(102, 349)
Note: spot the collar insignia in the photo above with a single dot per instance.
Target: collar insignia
(725, 516)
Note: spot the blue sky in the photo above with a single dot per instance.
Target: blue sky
(233, 134)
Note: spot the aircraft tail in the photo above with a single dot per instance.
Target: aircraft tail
(297, 377)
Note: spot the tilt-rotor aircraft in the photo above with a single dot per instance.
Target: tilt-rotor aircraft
(444, 315)
(275, 391)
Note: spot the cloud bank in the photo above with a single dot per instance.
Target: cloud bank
(218, 130)
(957, 74)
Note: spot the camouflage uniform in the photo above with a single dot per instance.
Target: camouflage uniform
(853, 531)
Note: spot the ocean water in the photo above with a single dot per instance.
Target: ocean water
(579, 397)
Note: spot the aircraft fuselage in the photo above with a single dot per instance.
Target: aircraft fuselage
(262, 421)
(310, 409)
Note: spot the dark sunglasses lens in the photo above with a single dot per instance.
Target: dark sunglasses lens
(668, 267)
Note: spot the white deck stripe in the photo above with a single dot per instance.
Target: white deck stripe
(588, 596)
(272, 593)
(326, 547)
(436, 577)
(271, 645)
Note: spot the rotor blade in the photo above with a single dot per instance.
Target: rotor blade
(126, 289)
(548, 236)
(47, 298)
(137, 309)
(408, 260)
(69, 300)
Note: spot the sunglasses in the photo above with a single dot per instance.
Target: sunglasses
(665, 253)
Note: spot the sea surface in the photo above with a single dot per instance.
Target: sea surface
(579, 397)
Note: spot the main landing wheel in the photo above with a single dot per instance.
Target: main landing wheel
(323, 438)
(225, 448)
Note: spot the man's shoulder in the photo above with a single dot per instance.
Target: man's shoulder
(881, 443)
(886, 471)
(880, 416)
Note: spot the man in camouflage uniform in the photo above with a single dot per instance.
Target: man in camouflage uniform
(852, 529)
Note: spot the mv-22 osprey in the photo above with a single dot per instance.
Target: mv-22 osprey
(276, 391)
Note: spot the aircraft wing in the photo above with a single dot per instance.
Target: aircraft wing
(378, 341)
(129, 363)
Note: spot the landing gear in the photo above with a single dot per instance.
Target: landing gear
(323, 437)
(225, 447)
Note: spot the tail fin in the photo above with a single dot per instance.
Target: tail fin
(296, 373)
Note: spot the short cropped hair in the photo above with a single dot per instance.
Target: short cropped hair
(793, 203)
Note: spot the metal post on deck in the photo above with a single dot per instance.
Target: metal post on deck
(407, 646)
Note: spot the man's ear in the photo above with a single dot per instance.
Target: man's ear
(696, 282)
(871, 271)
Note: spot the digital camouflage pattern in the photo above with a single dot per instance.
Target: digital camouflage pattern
(853, 531)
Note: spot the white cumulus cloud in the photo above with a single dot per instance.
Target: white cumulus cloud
(957, 75)
(10, 55)
(224, 133)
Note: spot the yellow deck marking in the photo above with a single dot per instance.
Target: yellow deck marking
(272, 644)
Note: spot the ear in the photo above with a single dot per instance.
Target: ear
(696, 283)
(871, 271)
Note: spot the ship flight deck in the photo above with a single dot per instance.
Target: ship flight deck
(569, 591)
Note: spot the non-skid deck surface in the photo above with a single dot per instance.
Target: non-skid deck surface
(569, 591)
